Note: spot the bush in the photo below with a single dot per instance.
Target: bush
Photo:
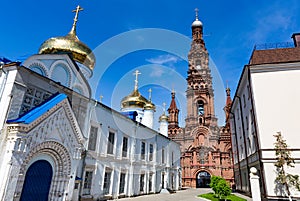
(214, 183)
(220, 186)
(223, 188)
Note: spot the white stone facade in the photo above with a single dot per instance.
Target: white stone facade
(93, 151)
(266, 102)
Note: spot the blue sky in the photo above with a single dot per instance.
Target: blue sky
(231, 29)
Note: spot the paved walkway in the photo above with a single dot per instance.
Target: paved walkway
(183, 195)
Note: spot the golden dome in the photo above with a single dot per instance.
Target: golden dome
(149, 106)
(133, 100)
(163, 117)
(70, 44)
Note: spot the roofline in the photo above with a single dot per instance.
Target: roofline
(247, 66)
(69, 57)
(135, 122)
(70, 91)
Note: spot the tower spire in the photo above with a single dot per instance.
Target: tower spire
(73, 30)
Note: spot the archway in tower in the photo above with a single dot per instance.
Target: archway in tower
(37, 182)
(203, 179)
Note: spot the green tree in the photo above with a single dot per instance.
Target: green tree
(223, 189)
(283, 161)
(214, 180)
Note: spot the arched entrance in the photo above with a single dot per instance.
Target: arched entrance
(37, 182)
(203, 179)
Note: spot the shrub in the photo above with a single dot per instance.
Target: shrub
(220, 186)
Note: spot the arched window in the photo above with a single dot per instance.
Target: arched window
(200, 107)
(198, 64)
(38, 70)
(61, 74)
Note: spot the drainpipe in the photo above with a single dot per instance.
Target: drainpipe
(237, 148)
(256, 138)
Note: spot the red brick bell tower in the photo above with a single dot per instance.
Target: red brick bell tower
(205, 147)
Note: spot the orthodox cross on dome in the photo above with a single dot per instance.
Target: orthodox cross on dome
(150, 93)
(77, 10)
(196, 12)
(136, 73)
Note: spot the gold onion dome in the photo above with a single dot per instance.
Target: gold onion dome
(149, 106)
(163, 117)
(133, 100)
(70, 44)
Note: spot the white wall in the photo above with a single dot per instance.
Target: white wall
(109, 120)
(277, 99)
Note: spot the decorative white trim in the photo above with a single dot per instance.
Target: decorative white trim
(20, 128)
(40, 64)
(65, 65)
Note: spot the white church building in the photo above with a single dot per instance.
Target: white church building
(56, 143)
(266, 102)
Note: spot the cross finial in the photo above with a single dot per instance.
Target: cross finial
(164, 107)
(101, 97)
(77, 10)
(150, 93)
(136, 73)
(196, 12)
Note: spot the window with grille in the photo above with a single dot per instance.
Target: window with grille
(93, 138)
(87, 182)
(106, 182)
(122, 183)
(142, 178)
(151, 152)
(143, 147)
(125, 147)
(32, 98)
(110, 143)
(150, 182)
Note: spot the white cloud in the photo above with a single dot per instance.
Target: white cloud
(157, 71)
(164, 59)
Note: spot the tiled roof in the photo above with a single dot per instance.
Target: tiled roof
(281, 55)
(38, 111)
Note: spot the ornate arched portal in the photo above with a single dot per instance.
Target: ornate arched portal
(202, 179)
(58, 156)
(37, 182)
